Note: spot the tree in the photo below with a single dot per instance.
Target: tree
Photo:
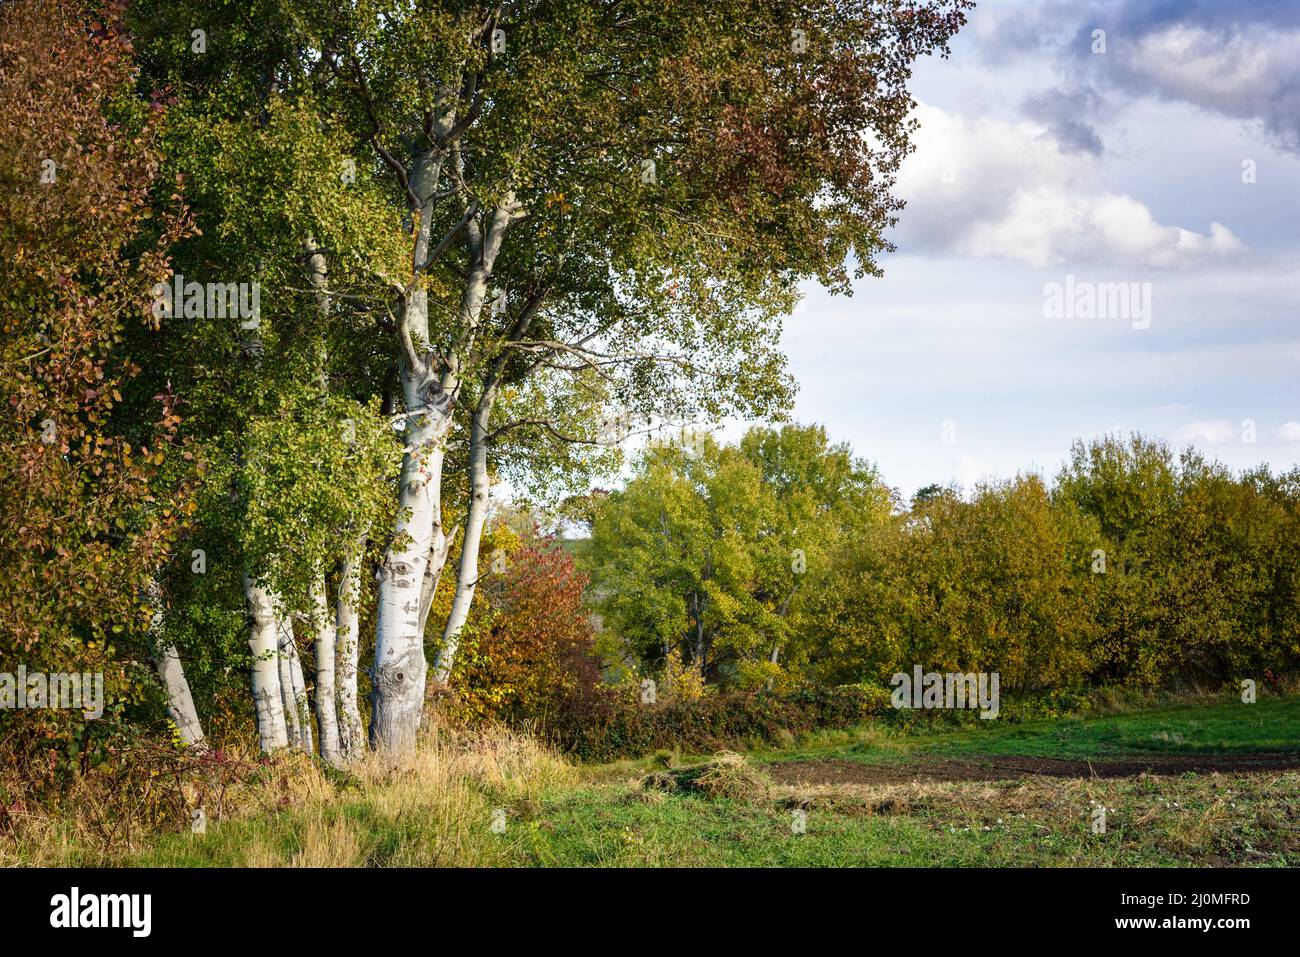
(651, 185)
(830, 502)
(89, 512)
(997, 583)
(1198, 577)
(534, 645)
(282, 404)
(705, 555)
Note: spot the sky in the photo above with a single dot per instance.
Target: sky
(1051, 159)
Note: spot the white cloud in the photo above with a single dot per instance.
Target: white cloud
(1209, 432)
(1289, 432)
(1237, 58)
(988, 188)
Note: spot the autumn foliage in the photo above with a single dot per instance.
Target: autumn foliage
(533, 647)
(83, 518)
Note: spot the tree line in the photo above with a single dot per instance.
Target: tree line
(784, 561)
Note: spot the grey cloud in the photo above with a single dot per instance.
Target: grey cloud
(1238, 59)
(1067, 113)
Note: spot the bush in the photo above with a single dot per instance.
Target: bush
(532, 643)
(607, 723)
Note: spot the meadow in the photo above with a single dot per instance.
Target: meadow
(1209, 781)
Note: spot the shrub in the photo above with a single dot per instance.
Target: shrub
(532, 643)
(607, 723)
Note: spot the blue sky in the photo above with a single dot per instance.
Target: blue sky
(1039, 159)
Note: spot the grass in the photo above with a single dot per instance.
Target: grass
(1157, 822)
(1220, 727)
(435, 811)
(729, 811)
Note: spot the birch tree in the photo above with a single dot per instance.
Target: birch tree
(284, 404)
(347, 629)
(654, 164)
(167, 660)
(682, 183)
(268, 694)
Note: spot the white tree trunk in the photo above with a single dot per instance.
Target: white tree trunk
(400, 669)
(296, 703)
(287, 703)
(438, 552)
(327, 719)
(475, 294)
(480, 487)
(347, 631)
(263, 642)
(398, 675)
(180, 702)
(323, 624)
(163, 654)
(467, 572)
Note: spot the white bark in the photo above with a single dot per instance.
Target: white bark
(398, 676)
(180, 702)
(296, 702)
(438, 552)
(428, 390)
(467, 573)
(288, 704)
(263, 642)
(317, 273)
(323, 624)
(347, 632)
(327, 719)
(399, 670)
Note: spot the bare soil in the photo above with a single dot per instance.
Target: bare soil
(1003, 767)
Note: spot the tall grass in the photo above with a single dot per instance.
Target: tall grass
(434, 808)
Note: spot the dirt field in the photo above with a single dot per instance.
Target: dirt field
(1013, 767)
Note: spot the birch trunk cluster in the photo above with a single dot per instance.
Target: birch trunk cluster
(431, 385)
(431, 381)
(458, 371)
(284, 708)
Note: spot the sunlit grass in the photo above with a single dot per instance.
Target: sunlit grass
(437, 809)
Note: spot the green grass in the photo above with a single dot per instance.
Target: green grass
(1167, 822)
(1270, 725)
(602, 827)
(1251, 820)
(952, 826)
(603, 816)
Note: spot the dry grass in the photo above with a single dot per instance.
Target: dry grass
(125, 803)
(1211, 819)
(433, 808)
(729, 776)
